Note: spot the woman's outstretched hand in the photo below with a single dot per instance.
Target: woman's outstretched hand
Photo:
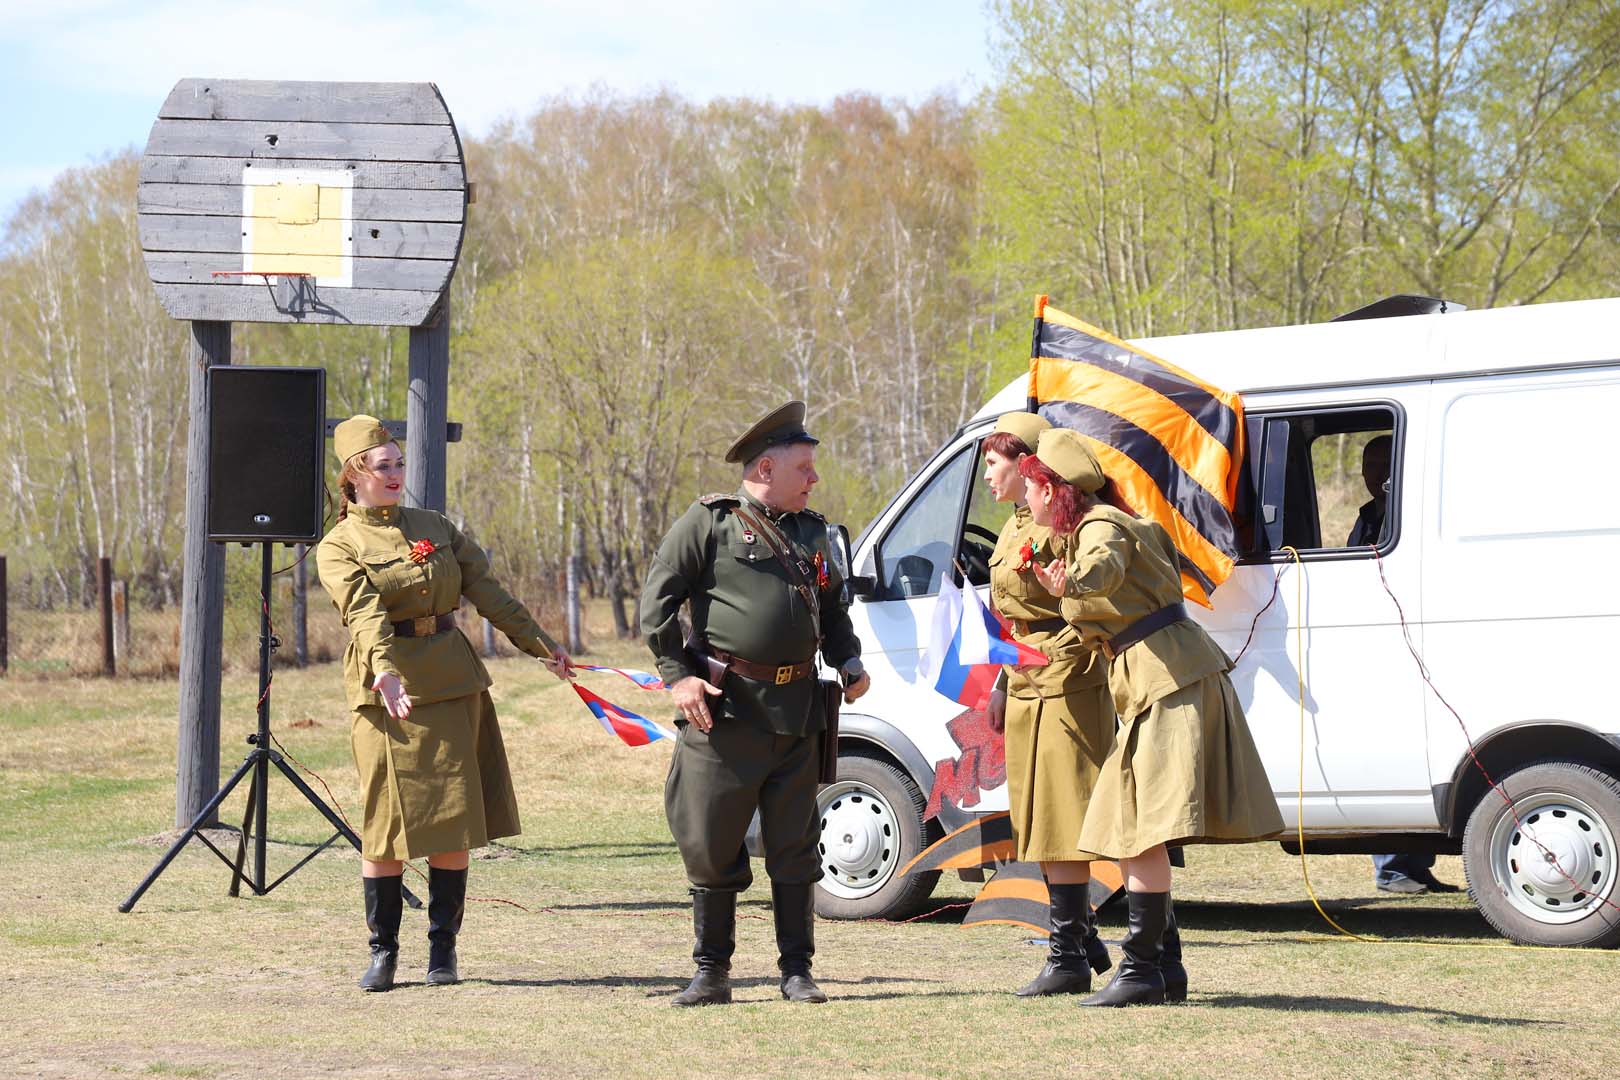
(395, 699)
(560, 665)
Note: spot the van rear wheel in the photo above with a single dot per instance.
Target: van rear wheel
(1545, 870)
(871, 826)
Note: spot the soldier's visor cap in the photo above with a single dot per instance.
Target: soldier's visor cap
(358, 434)
(780, 428)
(1064, 451)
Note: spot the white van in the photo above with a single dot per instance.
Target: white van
(1501, 546)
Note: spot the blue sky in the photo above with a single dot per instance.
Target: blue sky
(82, 79)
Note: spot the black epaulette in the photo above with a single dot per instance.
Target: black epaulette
(721, 499)
(807, 512)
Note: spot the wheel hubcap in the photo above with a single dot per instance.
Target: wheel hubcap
(860, 840)
(1556, 863)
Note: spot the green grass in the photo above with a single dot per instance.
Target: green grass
(194, 983)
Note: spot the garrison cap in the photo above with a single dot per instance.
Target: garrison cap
(782, 426)
(358, 434)
(1064, 451)
(1025, 426)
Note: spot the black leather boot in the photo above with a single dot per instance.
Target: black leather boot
(1139, 981)
(447, 901)
(1175, 976)
(714, 922)
(795, 909)
(1066, 970)
(1096, 952)
(384, 899)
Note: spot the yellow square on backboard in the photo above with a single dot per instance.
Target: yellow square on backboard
(299, 221)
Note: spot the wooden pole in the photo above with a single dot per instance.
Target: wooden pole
(109, 656)
(427, 411)
(120, 626)
(576, 555)
(202, 596)
(5, 602)
(300, 605)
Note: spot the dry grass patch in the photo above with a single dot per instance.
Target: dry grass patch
(195, 984)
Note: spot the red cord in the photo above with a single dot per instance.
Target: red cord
(1423, 670)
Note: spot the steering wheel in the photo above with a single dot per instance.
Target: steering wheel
(975, 556)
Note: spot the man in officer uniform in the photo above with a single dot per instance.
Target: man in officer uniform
(755, 568)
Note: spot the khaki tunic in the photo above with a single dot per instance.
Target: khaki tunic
(437, 780)
(1060, 720)
(1183, 767)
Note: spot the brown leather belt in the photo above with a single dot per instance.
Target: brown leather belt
(1142, 627)
(1020, 628)
(780, 674)
(426, 626)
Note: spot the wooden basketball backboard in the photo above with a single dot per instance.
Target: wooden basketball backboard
(302, 202)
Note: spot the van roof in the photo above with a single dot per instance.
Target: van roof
(1412, 347)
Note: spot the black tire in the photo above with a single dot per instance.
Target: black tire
(877, 810)
(1572, 810)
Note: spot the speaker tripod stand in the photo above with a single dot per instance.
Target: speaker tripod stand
(258, 762)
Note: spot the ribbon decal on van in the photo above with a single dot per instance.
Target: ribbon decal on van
(1171, 443)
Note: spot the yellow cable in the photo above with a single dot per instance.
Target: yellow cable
(1299, 809)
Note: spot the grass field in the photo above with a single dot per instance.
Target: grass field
(195, 984)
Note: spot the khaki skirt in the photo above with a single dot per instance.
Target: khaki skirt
(433, 782)
(1055, 750)
(1184, 771)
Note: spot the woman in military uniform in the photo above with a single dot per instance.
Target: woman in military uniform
(432, 766)
(1183, 768)
(1058, 720)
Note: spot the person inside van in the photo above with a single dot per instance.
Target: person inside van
(1405, 872)
(1375, 459)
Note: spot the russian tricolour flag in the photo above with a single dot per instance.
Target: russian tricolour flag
(632, 730)
(967, 645)
(644, 679)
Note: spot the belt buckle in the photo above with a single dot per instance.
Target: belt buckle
(424, 627)
(784, 674)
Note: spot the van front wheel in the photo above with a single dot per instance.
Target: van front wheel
(1544, 871)
(871, 826)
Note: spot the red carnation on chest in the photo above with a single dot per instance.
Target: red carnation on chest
(421, 550)
(1026, 555)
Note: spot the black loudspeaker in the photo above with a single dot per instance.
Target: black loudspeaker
(266, 449)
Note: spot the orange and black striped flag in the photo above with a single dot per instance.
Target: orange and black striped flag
(1172, 443)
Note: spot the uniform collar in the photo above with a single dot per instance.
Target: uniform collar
(1022, 515)
(376, 515)
(747, 497)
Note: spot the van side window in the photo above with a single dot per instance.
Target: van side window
(918, 548)
(1324, 480)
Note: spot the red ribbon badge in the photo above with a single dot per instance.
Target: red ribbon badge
(822, 577)
(1026, 555)
(421, 550)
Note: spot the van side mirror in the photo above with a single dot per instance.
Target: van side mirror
(862, 586)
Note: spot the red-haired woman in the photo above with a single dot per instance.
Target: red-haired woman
(1183, 767)
(1058, 720)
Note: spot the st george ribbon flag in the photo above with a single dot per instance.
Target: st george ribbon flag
(967, 646)
(1172, 443)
